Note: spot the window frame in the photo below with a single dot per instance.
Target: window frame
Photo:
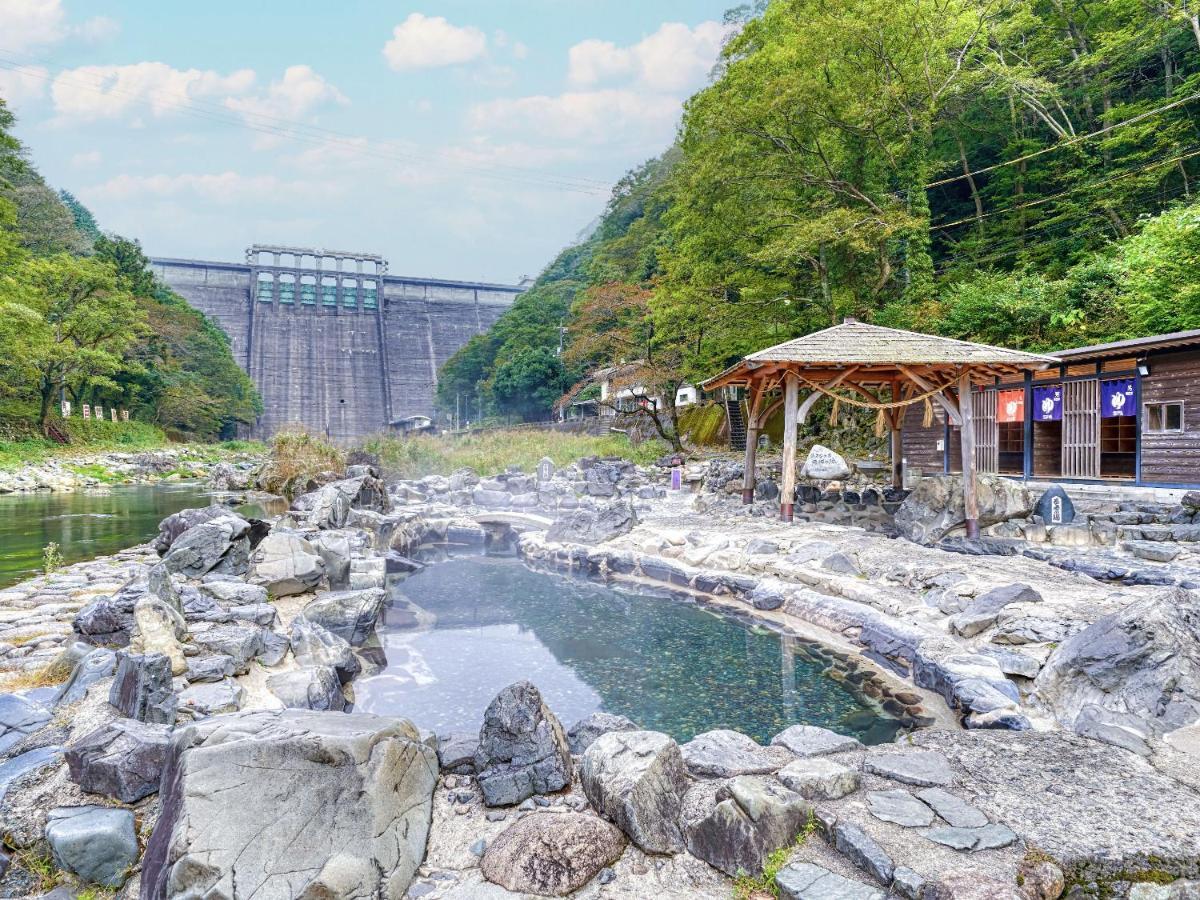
(1162, 405)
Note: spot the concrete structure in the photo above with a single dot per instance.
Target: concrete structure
(331, 340)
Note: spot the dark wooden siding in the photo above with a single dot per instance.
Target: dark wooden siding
(1173, 458)
(919, 443)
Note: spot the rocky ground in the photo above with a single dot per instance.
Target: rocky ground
(199, 744)
(102, 469)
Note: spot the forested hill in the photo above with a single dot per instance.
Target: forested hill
(81, 314)
(1019, 173)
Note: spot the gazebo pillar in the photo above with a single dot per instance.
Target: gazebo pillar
(750, 461)
(966, 413)
(897, 451)
(787, 489)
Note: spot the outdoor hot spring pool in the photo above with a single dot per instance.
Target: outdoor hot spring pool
(460, 631)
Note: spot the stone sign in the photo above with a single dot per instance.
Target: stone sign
(1055, 507)
(545, 470)
(823, 464)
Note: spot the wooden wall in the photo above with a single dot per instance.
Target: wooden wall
(1173, 458)
(920, 443)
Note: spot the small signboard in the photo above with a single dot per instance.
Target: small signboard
(87, 411)
(98, 412)
(113, 410)
(1116, 398)
(677, 478)
(124, 415)
(66, 409)
(1048, 403)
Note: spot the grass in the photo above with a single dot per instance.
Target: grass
(41, 867)
(491, 452)
(50, 675)
(52, 558)
(752, 887)
(296, 457)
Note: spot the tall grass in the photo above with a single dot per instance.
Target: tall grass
(297, 457)
(490, 452)
(20, 448)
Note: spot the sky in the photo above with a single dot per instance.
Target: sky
(464, 139)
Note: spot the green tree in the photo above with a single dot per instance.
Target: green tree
(528, 383)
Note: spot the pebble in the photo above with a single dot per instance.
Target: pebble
(495, 815)
(479, 847)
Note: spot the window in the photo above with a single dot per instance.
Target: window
(1164, 417)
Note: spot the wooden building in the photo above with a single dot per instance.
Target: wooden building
(1125, 412)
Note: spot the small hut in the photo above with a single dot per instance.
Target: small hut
(885, 369)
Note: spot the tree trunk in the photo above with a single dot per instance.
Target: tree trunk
(47, 403)
(962, 156)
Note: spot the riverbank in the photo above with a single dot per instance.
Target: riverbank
(72, 468)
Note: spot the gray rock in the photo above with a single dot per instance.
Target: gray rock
(522, 748)
(900, 807)
(122, 760)
(953, 809)
(810, 740)
(351, 615)
(935, 506)
(209, 668)
(923, 768)
(141, 688)
(19, 716)
(159, 583)
(637, 779)
(723, 753)
(339, 806)
(456, 753)
(309, 687)
(242, 643)
(1153, 551)
(275, 648)
(173, 526)
(805, 881)
(841, 563)
(96, 843)
(105, 621)
(736, 826)
(285, 563)
(334, 550)
(235, 593)
(1055, 507)
(984, 611)
(822, 464)
(551, 855)
(97, 665)
(218, 544)
(858, 847)
(907, 883)
(587, 729)
(212, 699)
(586, 526)
(261, 614)
(819, 779)
(313, 645)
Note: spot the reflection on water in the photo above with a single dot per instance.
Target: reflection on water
(667, 665)
(86, 524)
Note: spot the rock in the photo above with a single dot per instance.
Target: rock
(334, 550)
(810, 740)
(159, 628)
(819, 779)
(1055, 507)
(854, 843)
(805, 881)
(141, 688)
(275, 648)
(841, 563)
(241, 643)
(334, 806)
(1041, 879)
(212, 699)
(586, 526)
(173, 526)
(923, 768)
(122, 760)
(261, 614)
(551, 855)
(971, 886)
(313, 645)
(587, 729)
(1143, 660)
(908, 884)
(983, 612)
(723, 753)
(900, 807)
(160, 585)
(351, 615)
(285, 563)
(953, 809)
(19, 716)
(94, 842)
(822, 464)
(935, 506)
(456, 752)
(1154, 551)
(309, 687)
(235, 593)
(522, 748)
(637, 779)
(989, 837)
(224, 477)
(736, 826)
(105, 621)
(97, 665)
(219, 544)
(31, 760)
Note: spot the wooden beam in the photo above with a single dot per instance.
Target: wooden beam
(970, 481)
(791, 396)
(811, 399)
(949, 405)
(757, 392)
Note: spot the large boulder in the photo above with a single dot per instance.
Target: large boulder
(590, 526)
(638, 780)
(523, 749)
(736, 824)
(1131, 674)
(551, 855)
(159, 629)
(822, 464)
(328, 806)
(351, 615)
(309, 687)
(723, 753)
(314, 645)
(141, 688)
(935, 506)
(587, 729)
(94, 842)
(241, 643)
(285, 563)
(176, 524)
(122, 760)
(329, 506)
(221, 545)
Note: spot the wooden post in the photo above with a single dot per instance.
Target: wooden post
(791, 396)
(970, 482)
(754, 401)
(897, 451)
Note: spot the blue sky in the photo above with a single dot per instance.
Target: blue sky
(465, 139)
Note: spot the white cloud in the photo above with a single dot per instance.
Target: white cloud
(100, 92)
(295, 96)
(223, 188)
(86, 159)
(674, 58)
(18, 86)
(593, 115)
(98, 29)
(426, 42)
(31, 23)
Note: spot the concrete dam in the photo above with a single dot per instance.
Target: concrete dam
(330, 339)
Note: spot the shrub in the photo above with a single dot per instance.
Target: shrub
(297, 458)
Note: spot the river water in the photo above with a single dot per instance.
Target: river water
(85, 524)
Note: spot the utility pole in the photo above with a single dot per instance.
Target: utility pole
(457, 412)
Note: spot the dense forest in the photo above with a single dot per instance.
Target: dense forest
(83, 318)
(1020, 173)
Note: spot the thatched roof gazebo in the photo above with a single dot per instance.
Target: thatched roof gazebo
(884, 369)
